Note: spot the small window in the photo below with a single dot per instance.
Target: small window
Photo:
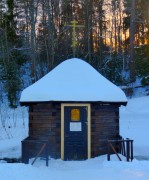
(75, 115)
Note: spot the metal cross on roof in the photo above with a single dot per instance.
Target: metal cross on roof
(74, 41)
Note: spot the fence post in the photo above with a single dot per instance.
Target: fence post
(47, 159)
(25, 153)
(131, 150)
(127, 149)
(123, 147)
(108, 155)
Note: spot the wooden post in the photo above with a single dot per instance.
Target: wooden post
(25, 155)
(123, 147)
(128, 152)
(115, 152)
(108, 155)
(127, 149)
(42, 148)
(47, 154)
(131, 150)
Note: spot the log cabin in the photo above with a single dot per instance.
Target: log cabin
(74, 109)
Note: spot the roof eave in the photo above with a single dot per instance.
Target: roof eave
(28, 103)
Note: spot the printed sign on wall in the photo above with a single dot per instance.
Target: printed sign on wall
(75, 126)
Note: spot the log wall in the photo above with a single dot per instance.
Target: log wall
(45, 124)
(104, 126)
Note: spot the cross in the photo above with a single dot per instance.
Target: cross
(74, 42)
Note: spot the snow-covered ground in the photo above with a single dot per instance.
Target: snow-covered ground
(134, 124)
(93, 169)
(13, 128)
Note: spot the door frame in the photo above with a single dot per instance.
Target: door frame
(88, 127)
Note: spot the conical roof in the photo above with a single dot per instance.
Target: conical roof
(73, 80)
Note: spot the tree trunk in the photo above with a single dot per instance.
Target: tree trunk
(132, 38)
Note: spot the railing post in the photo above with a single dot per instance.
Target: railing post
(25, 153)
(131, 150)
(47, 159)
(127, 149)
(108, 155)
(124, 148)
(42, 148)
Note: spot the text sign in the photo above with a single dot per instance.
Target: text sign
(75, 126)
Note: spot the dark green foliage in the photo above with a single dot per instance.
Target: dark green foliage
(10, 75)
(12, 85)
(113, 70)
(142, 63)
(19, 57)
(145, 81)
(10, 4)
(126, 23)
(11, 58)
(8, 23)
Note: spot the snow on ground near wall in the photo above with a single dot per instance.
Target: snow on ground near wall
(134, 124)
(13, 128)
(93, 169)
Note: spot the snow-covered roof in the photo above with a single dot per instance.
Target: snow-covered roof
(73, 80)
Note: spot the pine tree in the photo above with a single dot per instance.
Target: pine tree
(142, 64)
(10, 58)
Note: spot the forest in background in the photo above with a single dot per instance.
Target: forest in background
(36, 35)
